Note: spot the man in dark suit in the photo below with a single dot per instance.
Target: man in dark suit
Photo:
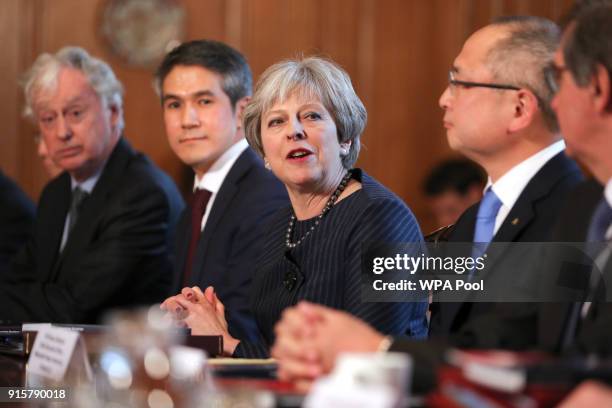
(104, 227)
(581, 77)
(16, 218)
(204, 87)
(501, 119)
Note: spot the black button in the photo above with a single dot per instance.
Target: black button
(290, 280)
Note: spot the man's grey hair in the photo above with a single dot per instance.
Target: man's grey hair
(310, 78)
(521, 57)
(44, 73)
(589, 43)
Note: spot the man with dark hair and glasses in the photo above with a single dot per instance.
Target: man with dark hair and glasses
(581, 78)
(497, 113)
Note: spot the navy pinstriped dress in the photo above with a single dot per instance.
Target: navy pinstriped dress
(326, 267)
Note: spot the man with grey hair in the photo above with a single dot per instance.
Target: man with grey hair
(104, 226)
(497, 114)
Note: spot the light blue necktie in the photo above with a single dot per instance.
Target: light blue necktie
(485, 221)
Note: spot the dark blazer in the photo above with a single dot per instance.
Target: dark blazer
(594, 332)
(231, 240)
(327, 267)
(531, 219)
(503, 325)
(16, 219)
(116, 256)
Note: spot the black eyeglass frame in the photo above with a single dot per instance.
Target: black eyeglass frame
(469, 84)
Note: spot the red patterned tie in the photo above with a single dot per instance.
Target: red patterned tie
(198, 207)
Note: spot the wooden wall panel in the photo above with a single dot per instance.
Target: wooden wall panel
(340, 33)
(30, 170)
(207, 19)
(396, 131)
(13, 24)
(275, 30)
(18, 29)
(397, 52)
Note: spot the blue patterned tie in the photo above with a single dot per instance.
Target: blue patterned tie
(485, 220)
(602, 217)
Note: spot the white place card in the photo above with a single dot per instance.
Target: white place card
(34, 327)
(52, 352)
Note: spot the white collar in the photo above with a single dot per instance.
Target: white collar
(87, 185)
(608, 192)
(510, 186)
(213, 178)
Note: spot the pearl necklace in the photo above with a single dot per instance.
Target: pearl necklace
(330, 203)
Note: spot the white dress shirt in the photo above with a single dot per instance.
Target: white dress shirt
(510, 186)
(608, 196)
(214, 177)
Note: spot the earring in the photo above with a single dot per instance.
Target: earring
(267, 164)
(343, 151)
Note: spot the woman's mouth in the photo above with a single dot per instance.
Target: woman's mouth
(298, 154)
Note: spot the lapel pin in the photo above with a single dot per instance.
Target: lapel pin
(515, 221)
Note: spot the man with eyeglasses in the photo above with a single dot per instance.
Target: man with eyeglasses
(581, 79)
(497, 113)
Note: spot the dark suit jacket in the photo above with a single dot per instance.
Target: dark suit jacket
(327, 267)
(231, 240)
(117, 255)
(477, 324)
(493, 325)
(16, 219)
(594, 332)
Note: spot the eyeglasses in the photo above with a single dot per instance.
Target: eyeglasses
(552, 75)
(452, 82)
